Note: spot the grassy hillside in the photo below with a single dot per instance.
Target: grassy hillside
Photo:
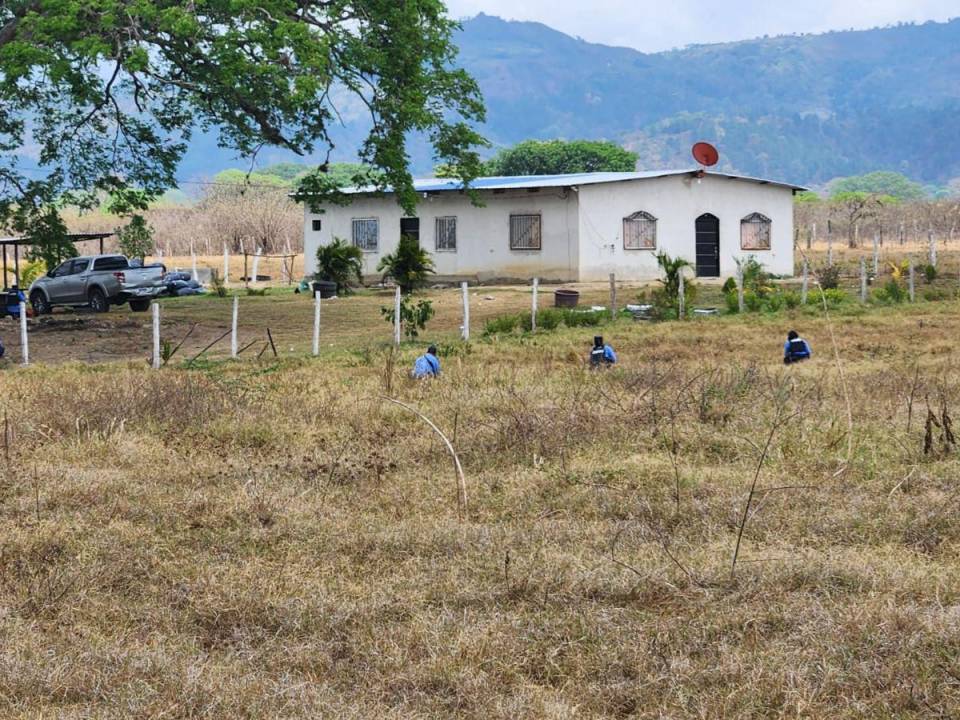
(270, 539)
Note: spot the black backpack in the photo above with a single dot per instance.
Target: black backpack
(798, 349)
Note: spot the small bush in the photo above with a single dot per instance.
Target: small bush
(256, 292)
(733, 302)
(216, 284)
(792, 299)
(936, 294)
(775, 302)
(891, 292)
(930, 273)
(828, 276)
(590, 318)
(503, 325)
(413, 318)
(730, 286)
(834, 296)
(752, 301)
(549, 319)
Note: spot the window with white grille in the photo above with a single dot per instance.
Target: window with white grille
(366, 234)
(640, 232)
(446, 234)
(755, 232)
(525, 232)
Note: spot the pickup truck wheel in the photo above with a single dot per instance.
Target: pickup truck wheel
(40, 304)
(140, 305)
(98, 301)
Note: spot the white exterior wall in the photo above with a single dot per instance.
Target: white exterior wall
(582, 229)
(483, 234)
(677, 201)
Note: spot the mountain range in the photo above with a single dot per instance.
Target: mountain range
(804, 108)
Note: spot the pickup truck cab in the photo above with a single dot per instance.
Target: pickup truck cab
(97, 282)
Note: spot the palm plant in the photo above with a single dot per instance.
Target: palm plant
(340, 262)
(409, 266)
(667, 298)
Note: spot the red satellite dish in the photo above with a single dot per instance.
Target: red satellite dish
(705, 154)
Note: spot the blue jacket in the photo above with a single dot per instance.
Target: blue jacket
(606, 356)
(801, 351)
(427, 365)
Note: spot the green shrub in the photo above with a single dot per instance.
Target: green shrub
(256, 292)
(792, 299)
(413, 318)
(503, 325)
(828, 276)
(340, 262)
(835, 296)
(774, 302)
(733, 302)
(936, 294)
(30, 272)
(216, 284)
(891, 292)
(666, 299)
(549, 319)
(930, 273)
(587, 318)
(752, 301)
(730, 286)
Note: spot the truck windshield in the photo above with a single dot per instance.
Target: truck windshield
(115, 262)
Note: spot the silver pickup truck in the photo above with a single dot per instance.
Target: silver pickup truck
(97, 282)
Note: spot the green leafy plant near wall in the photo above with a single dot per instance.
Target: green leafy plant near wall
(409, 265)
(666, 300)
(340, 262)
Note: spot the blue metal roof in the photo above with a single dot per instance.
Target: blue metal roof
(521, 182)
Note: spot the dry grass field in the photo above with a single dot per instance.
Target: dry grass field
(270, 538)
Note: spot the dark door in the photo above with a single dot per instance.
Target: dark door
(708, 246)
(410, 227)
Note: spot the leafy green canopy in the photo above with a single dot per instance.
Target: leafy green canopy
(109, 92)
(557, 157)
(892, 184)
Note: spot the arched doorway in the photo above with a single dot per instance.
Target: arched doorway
(708, 245)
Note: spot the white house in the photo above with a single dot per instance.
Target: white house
(573, 227)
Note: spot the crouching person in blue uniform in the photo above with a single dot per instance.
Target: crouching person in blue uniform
(602, 355)
(795, 349)
(427, 365)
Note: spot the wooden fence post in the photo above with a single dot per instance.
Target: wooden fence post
(613, 296)
(316, 323)
(912, 287)
(246, 274)
(466, 311)
(396, 317)
(533, 305)
(805, 284)
(156, 336)
(24, 341)
(233, 327)
(863, 280)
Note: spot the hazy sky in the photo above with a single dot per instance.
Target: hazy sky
(652, 26)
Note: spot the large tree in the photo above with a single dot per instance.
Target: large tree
(557, 157)
(106, 93)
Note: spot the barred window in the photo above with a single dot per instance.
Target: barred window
(640, 232)
(366, 234)
(446, 234)
(755, 232)
(525, 232)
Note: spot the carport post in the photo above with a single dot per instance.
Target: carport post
(316, 323)
(396, 317)
(156, 336)
(233, 327)
(24, 345)
(533, 305)
(466, 311)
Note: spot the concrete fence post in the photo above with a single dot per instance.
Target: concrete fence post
(226, 263)
(681, 297)
(396, 317)
(256, 265)
(233, 327)
(24, 340)
(533, 305)
(863, 280)
(912, 286)
(156, 336)
(829, 244)
(876, 255)
(740, 288)
(805, 283)
(316, 323)
(613, 296)
(932, 247)
(465, 289)
(812, 237)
